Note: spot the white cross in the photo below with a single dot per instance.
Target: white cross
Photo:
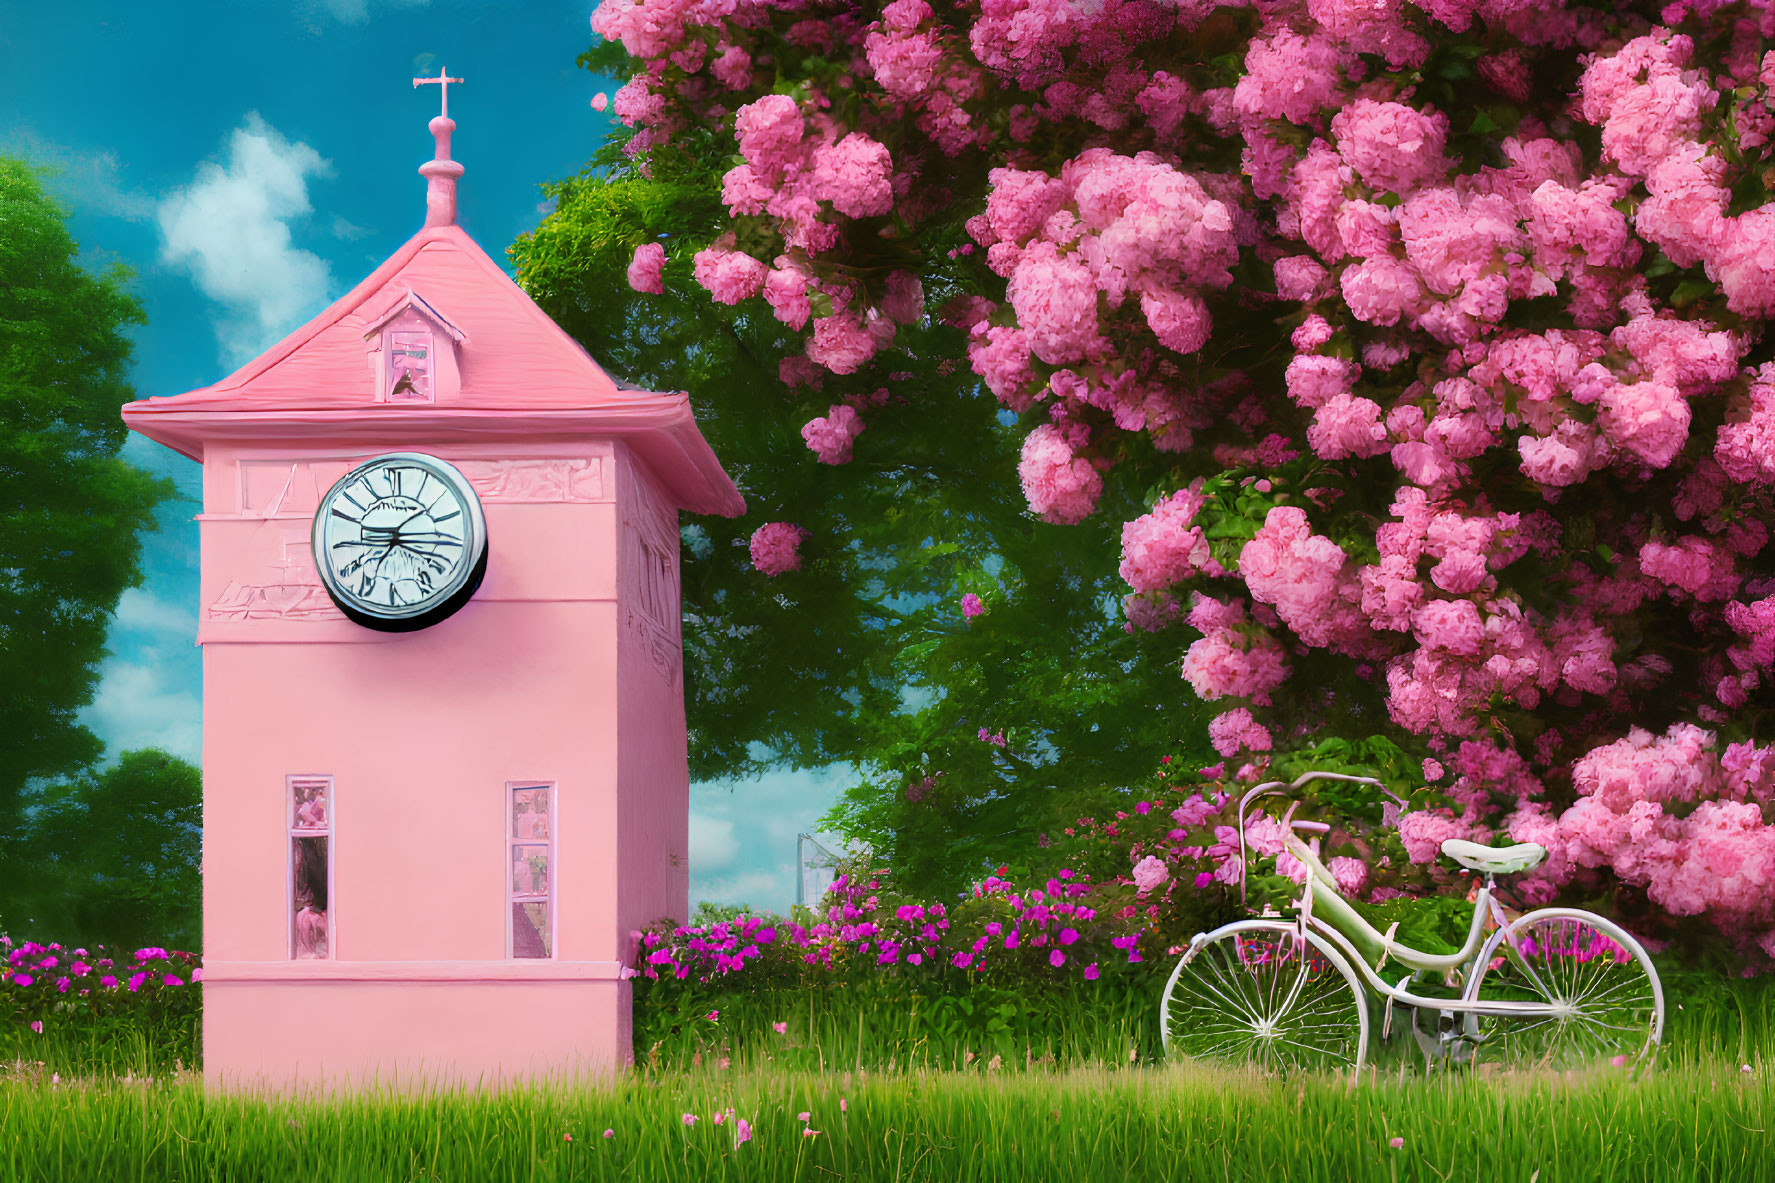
(443, 82)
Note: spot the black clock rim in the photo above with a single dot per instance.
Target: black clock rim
(436, 615)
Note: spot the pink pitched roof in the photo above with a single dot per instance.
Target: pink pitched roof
(521, 376)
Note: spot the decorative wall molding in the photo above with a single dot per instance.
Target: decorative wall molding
(576, 480)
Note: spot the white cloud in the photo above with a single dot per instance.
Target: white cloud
(356, 12)
(347, 231)
(88, 180)
(712, 844)
(138, 706)
(230, 230)
(743, 833)
(146, 696)
(144, 612)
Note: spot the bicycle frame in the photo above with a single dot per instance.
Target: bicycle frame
(1348, 932)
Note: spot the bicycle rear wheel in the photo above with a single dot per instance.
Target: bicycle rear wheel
(1603, 998)
(1255, 992)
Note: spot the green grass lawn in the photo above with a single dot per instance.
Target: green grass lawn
(1079, 1101)
(1693, 1119)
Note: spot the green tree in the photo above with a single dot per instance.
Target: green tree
(863, 654)
(117, 855)
(70, 508)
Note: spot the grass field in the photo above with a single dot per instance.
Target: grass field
(893, 1090)
(1702, 1120)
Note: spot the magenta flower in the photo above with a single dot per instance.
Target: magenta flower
(108, 981)
(23, 979)
(713, 1016)
(1091, 972)
(1396, 1143)
(600, 101)
(804, 1117)
(37, 1026)
(172, 981)
(197, 974)
(780, 1028)
(971, 605)
(1056, 959)
(690, 1119)
(135, 982)
(610, 1133)
(742, 1132)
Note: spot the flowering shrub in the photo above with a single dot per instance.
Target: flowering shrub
(1437, 330)
(93, 999)
(1101, 897)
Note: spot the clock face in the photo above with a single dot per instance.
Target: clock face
(400, 542)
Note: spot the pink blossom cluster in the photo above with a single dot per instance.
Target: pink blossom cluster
(830, 435)
(1470, 403)
(775, 547)
(1673, 815)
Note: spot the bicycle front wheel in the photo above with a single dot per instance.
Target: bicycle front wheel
(1591, 991)
(1257, 992)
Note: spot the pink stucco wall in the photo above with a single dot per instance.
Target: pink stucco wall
(420, 733)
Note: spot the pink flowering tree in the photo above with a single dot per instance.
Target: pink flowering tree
(1427, 340)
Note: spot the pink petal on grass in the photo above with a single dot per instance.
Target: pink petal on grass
(37, 1026)
(780, 1028)
(1396, 1143)
(690, 1119)
(742, 1132)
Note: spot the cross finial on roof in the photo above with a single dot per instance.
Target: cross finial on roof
(443, 81)
(440, 172)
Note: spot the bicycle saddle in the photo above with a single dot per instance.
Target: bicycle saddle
(1494, 860)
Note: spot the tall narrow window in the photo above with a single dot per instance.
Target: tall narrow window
(531, 843)
(311, 843)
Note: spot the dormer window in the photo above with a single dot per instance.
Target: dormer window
(412, 352)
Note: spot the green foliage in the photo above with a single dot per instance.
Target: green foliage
(951, 1020)
(115, 857)
(863, 655)
(70, 509)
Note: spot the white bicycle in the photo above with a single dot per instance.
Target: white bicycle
(1558, 986)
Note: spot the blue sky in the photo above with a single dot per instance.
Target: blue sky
(251, 161)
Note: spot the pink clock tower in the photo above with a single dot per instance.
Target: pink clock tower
(444, 744)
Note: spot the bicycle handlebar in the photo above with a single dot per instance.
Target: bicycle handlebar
(1277, 788)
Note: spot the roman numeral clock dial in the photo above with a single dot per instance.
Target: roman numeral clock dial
(400, 542)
